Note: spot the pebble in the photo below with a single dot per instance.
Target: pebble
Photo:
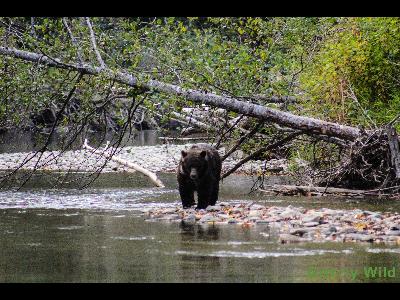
(223, 216)
(288, 238)
(262, 221)
(256, 206)
(312, 218)
(393, 232)
(293, 224)
(360, 237)
(311, 224)
(207, 218)
(255, 213)
(301, 231)
(213, 208)
(189, 221)
(394, 226)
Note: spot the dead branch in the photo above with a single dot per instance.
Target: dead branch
(260, 151)
(73, 39)
(241, 141)
(94, 45)
(290, 190)
(153, 177)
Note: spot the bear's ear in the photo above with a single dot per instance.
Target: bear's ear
(203, 153)
(184, 153)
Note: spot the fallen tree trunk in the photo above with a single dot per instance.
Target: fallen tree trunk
(306, 124)
(290, 190)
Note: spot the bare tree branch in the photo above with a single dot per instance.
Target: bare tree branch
(74, 41)
(260, 151)
(94, 45)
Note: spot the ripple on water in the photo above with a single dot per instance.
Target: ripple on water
(262, 254)
(70, 227)
(133, 238)
(381, 250)
(105, 199)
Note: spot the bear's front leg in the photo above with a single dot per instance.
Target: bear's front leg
(203, 199)
(187, 195)
(214, 193)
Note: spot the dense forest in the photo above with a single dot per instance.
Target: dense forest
(321, 91)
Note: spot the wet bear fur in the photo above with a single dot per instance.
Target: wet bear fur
(199, 170)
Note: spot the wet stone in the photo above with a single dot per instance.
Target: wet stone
(347, 230)
(256, 207)
(312, 218)
(288, 238)
(311, 224)
(360, 237)
(255, 213)
(223, 216)
(191, 219)
(213, 208)
(262, 221)
(206, 219)
(394, 226)
(393, 232)
(170, 210)
(237, 210)
(301, 231)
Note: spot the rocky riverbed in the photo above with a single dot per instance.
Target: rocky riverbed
(159, 158)
(292, 224)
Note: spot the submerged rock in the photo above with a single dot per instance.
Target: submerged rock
(393, 232)
(360, 237)
(288, 238)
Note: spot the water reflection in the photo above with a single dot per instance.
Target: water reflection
(199, 232)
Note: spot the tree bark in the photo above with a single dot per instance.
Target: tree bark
(305, 124)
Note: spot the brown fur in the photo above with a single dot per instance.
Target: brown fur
(199, 170)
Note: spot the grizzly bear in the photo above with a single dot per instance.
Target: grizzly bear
(199, 170)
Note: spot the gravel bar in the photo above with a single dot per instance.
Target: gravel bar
(294, 224)
(160, 158)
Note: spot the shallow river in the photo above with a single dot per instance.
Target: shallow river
(99, 235)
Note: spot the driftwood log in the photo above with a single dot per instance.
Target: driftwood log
(304, 190)
(153, 177)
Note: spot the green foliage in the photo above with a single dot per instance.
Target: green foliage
(343, 69)
(354, 76)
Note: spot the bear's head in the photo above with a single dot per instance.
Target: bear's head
(194, 163)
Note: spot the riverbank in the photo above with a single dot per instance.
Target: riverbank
(293, 224)
(157, 158)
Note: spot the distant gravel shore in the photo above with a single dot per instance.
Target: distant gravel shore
(159, 158)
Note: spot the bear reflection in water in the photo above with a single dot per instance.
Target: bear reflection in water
(199, 232)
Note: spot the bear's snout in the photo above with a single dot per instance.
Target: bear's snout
(193, 174)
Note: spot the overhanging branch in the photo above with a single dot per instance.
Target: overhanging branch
(306, 124)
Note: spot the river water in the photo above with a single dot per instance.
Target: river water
(100, 235)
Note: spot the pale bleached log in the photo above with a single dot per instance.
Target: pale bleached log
(316, 190)
(153, 177)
